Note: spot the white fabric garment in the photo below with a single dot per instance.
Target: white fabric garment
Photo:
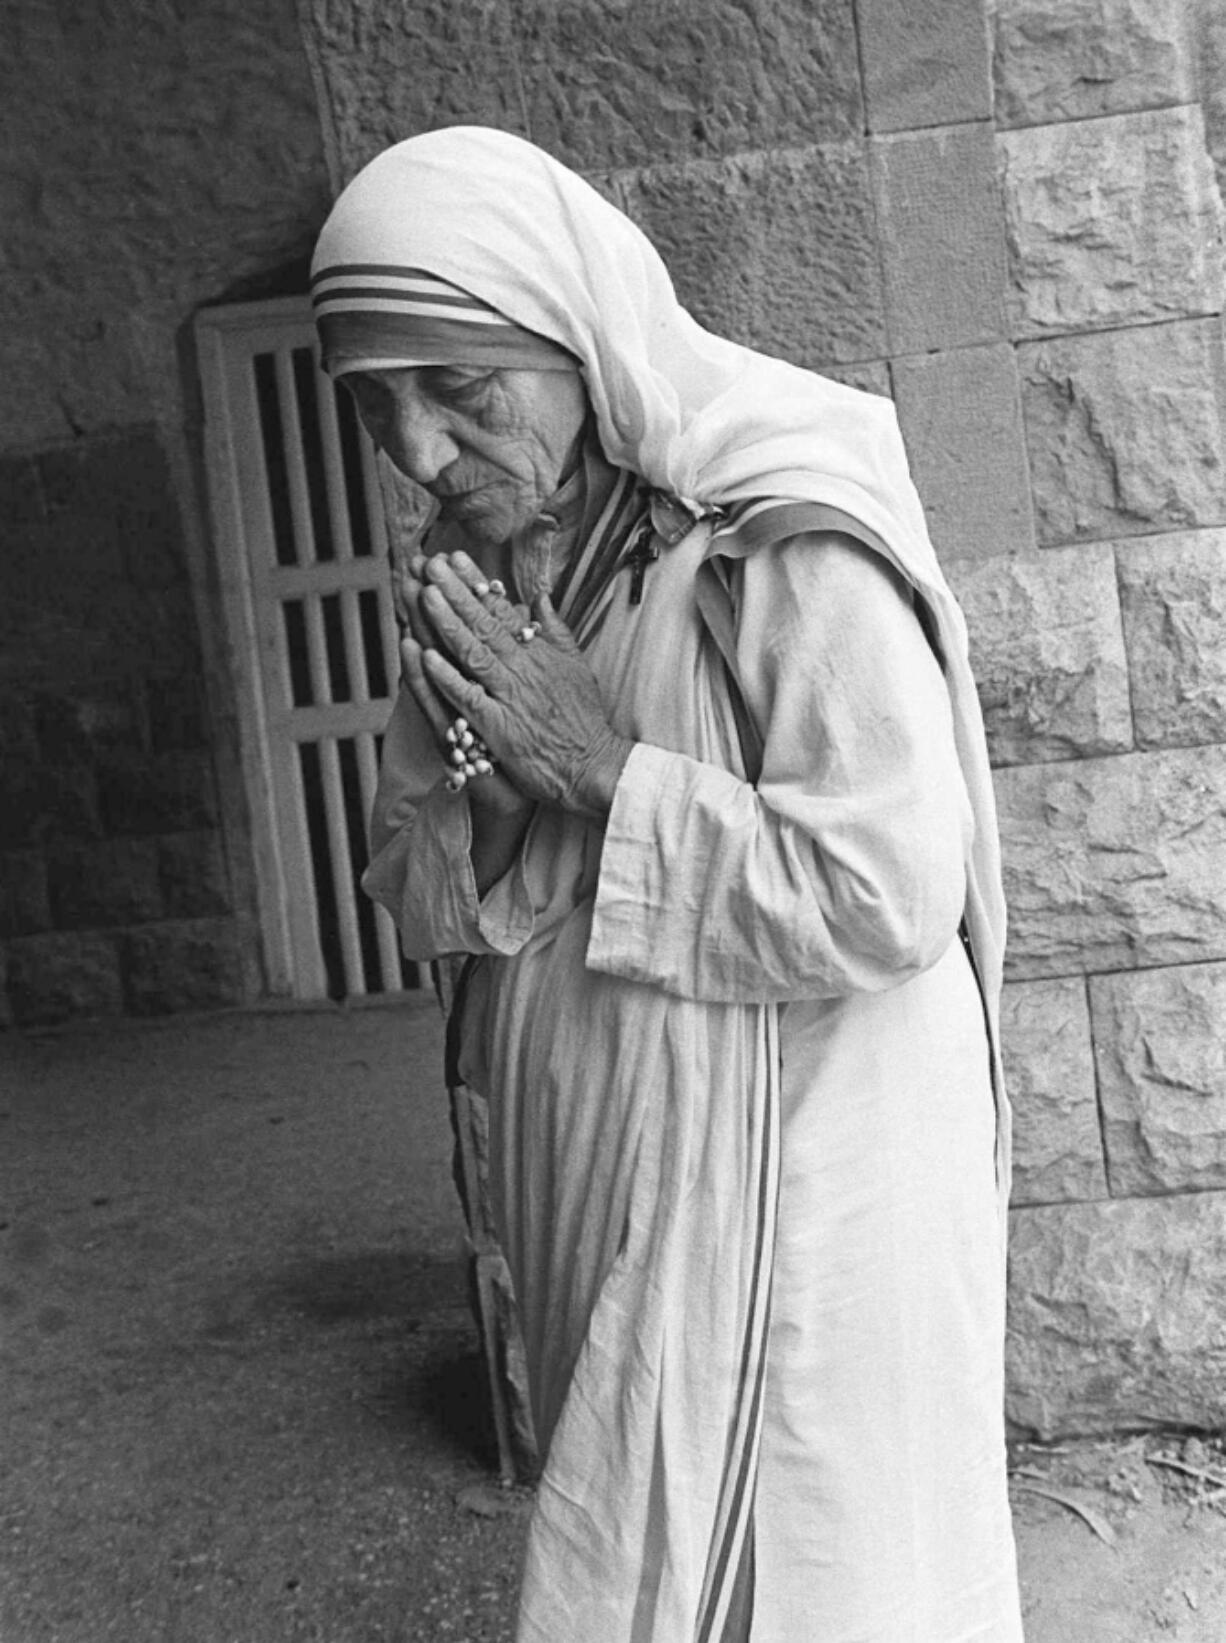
(695, 414)
(733, 1033)
(620, 1028)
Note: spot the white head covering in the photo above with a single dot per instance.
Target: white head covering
(694, 414)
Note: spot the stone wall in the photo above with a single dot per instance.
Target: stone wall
(1009, 220)
(158, 155)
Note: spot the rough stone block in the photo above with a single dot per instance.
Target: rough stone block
(1211, 63)
(6, 1008)
(141, 505)
(1049, 1072)
(43, 802)
(1173, 596)
(21, 494)
(108, 881)
(173, 793)
(18, 737)
(192, 874)
(870, 376)
(1160, 1044)
(77, 727)
(53, 977)
(1118, 1316)
(203, 167)
(1070, 59)
(24, 905)
(186, 965)
(1114, 863)
(942, 238)
(1048, 653)
(596, 84)
(777, 251)
(178, 717)
(924, 64)
(1111, 222)
(77, 540)
(73, 611)
(1125, 431)
(118, 487)
(162, 623)
(962, 422)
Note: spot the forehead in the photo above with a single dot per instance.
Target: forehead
(418, 377)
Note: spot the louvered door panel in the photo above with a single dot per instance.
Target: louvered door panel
(300, 526)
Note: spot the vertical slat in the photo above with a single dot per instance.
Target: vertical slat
(279, 678)
(310, 972)
(385, 927)
(355, 649)
(391, 639)
(342, 866)
(317, 650)
(244, 536)
(334, 466)
(295, 461)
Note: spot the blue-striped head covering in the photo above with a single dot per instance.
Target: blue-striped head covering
(372, 315)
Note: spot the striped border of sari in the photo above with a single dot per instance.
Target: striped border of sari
(761, 521)
(386, 287)
(585, 590)
(726, 1608)
(366, 311)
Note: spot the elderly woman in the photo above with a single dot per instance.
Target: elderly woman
(687, 754)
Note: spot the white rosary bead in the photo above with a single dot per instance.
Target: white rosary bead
(497, 587)
(467, 755)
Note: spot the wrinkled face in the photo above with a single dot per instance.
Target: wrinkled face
(492, 446)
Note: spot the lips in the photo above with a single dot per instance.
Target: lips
(452, 502)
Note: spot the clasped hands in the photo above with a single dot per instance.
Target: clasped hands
(536, 706)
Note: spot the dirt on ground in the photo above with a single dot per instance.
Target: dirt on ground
(1122, 1540)
(240, 1399)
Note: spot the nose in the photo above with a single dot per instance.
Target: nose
(416, 439)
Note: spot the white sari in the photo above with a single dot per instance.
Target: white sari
(742, 1126)
(749, 1158)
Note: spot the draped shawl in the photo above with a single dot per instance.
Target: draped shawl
(703, 418)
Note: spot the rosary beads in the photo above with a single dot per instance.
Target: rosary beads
(467, 756)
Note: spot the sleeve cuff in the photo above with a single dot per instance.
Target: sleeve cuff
(424, 877)
(638, 930)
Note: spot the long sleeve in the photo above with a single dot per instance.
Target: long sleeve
(421, 868)
(843, 870)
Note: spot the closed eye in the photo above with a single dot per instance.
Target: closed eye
(457, 385)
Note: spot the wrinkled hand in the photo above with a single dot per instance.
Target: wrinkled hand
(536, 706)
(493, 794)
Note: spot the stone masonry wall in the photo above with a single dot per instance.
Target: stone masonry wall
(1010, 221)
(158, 155)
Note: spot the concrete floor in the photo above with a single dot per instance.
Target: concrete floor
(240, 1397)
(240, 1391)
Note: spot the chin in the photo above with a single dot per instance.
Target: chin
(485, 531)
